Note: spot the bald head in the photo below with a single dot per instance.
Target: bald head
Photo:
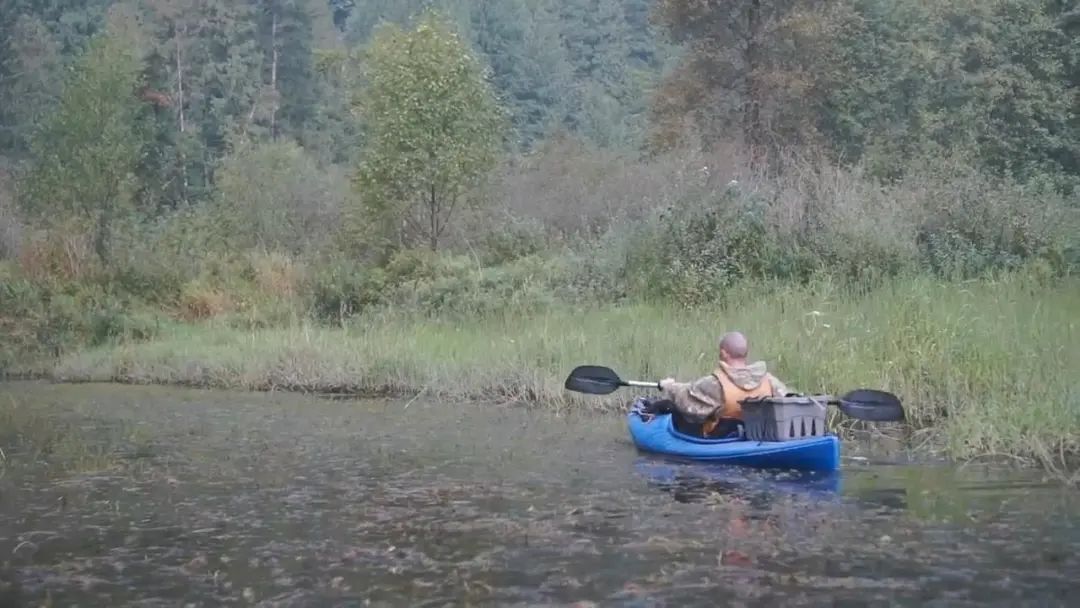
(733, 347)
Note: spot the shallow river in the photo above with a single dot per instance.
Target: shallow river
(280, 500)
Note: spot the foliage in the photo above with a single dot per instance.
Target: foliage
(204, 81)
(759, 68)
(433, 125)
(86, 152)
(33, 67)
(48, 319)
(580, 65)
(878, 80)
(340, 289)
(988, 77)
(275, 196)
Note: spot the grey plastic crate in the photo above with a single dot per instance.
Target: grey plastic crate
(784, 418)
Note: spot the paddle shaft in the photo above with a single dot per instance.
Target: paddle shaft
(864, 404)
(830, 400)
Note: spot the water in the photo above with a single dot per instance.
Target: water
(273, 500)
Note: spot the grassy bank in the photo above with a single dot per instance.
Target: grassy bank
(983, 367)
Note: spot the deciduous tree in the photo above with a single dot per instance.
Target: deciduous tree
(433, 126)
(88, 149)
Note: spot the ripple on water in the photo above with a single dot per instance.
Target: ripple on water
(282, 501)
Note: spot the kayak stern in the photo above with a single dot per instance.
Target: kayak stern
(659, 435)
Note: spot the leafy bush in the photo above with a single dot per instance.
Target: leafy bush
(690, 253)
(47, 319)
(989, 224)
(341, 288)
(275, 196)
(275, 274)
(526, 285)
(150, 280)
(947, 219)
(516, 238)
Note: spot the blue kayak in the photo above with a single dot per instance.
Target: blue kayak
(657, 434)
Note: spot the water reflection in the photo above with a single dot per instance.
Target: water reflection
(695, 482)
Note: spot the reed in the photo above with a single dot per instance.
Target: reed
(983, 367)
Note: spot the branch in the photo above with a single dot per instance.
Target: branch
(449, 211)
(412, 223)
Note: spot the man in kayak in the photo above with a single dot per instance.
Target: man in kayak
(709, 406)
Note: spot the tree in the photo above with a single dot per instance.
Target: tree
(88, 149)
(985, 77)
(38, 39)
(597, 35)
(206, 59)
(330, 132)
(33, 80)
(433, 126)
(275, 196)
(761, 69)
(287, 38)
(1067, 15)
(528, 62)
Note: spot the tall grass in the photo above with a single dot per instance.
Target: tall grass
(985, 367)
(33, 436)
(11, 227)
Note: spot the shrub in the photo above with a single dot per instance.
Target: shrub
(816, 218)
(462, 289)
(45, 319)
(341, 288)
(276, 274)
(275, 196)
(514, 239)
(200, 300)
(156, 259)
(62, 254)
(987, 224)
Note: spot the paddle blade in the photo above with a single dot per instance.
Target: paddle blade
(872, 405)
(593, 380)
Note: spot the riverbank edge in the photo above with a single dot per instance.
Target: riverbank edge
(960, 357)
(920, 444)
(923, 446)
(926, 445)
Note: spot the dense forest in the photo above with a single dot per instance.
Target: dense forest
(190, 157)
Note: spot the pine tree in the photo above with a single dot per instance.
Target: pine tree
(330, 134)
(529, 67)
(596, 34)
(205, 58)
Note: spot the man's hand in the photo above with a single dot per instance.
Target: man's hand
(665, 383)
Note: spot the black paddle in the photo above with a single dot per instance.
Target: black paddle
(864, 404)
